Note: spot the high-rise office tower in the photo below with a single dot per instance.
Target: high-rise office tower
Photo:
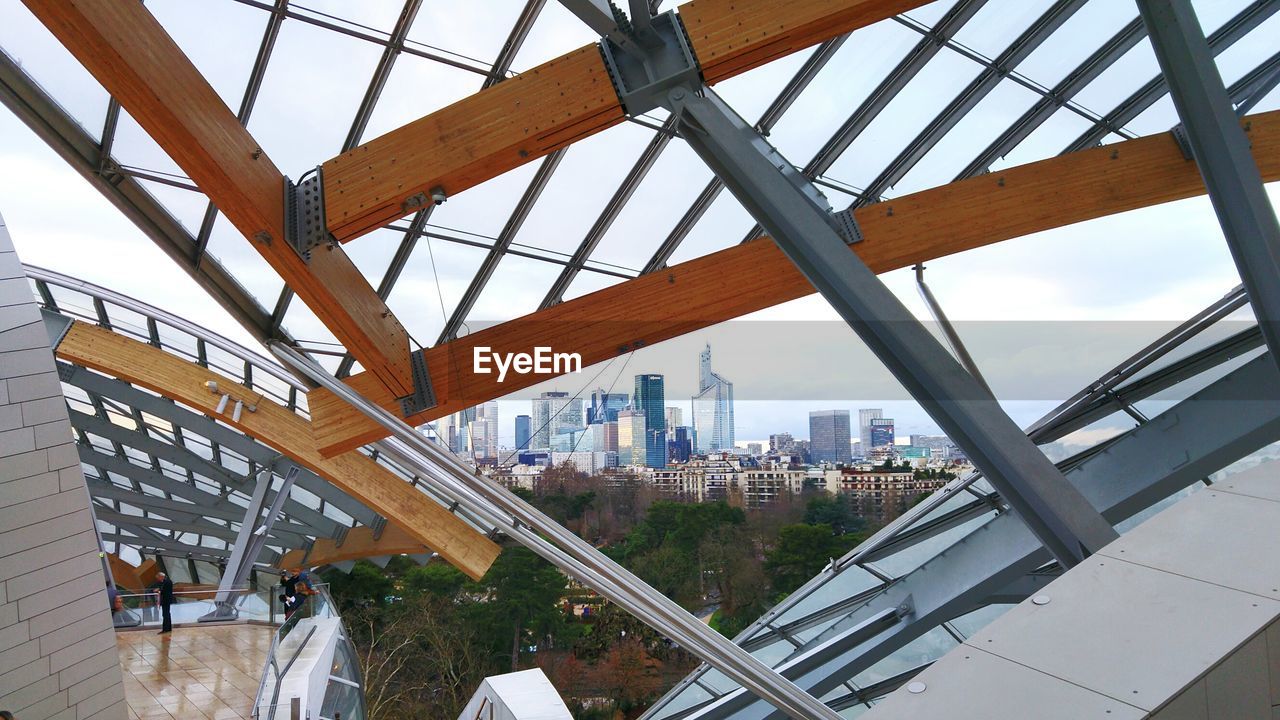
(649, 400)
(458, 427)
(829, 436)
(605, 406)
(680, 446)
(865, 416)
(554, 413)
(675, 418)
(610, 435)
(482, 432)
(631, 449)
(881, 433)
(523, 428)
(712, 408)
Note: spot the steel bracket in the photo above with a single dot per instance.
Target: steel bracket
(847, 226)
(305, 227)
(1184, 144)
(423, 396)
(643, 71)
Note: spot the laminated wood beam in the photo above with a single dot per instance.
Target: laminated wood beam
(359, 543)
(745, 278)
(124, 47)
(280, 428)
(557, 103)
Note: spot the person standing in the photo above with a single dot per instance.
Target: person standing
(166, 599)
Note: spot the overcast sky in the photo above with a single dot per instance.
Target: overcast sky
(1106, 285)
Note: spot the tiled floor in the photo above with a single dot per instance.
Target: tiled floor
(193, 673)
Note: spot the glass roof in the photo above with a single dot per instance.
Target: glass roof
(950, 90)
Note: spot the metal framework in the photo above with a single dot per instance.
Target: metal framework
(175, 480)
(952, 560)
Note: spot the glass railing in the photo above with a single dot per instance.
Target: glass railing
(290, 639)
(143, 609)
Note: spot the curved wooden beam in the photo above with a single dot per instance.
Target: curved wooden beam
(558, 103)
(745, 278)
(124, 47)
(125, 574)
(280, 428)
(357, 545)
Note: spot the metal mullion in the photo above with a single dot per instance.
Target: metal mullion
(768, 119)
(684, 226)
(1144, 97)
(1256, 84)
(970, 96)
(502, 64)
(335, 27)
(508, 234)
(1085, 73)
(247, 101)
(383, 71)
(888, 88)
(610, 213)
(394, 269)
(515, 39)
(108, 136)
(21, 94)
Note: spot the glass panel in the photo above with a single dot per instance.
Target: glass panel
(971, 623)
(924, 649)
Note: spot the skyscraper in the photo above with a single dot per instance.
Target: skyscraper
(554, 413)
(829, 436)
(482, 432)
(881, 433)
(675, 418)
(605, 406)
(865, 416)
(680, 446)
(649, 401)
(523, 428)
(631, 450)
(712, 408)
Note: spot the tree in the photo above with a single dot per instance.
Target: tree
(523, 594)
(732, 566)
(417, 659)
(802, 551)
(628, 675)
(365, 584)
(834, 510)
(437, 578)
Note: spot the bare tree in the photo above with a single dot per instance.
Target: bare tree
(416, 658)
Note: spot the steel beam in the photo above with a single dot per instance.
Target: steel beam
(1212, 428)
(783, 201)
(249, 542)
(1144, 97)
(97, 384)
(25, 98)
(1221, 150)
(580, 559)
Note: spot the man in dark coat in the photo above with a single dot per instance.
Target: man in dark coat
(166, 599)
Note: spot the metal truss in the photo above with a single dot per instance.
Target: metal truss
(1220, 147)
(996, 559)
(933, 40)
(165, 437)
(26, 99)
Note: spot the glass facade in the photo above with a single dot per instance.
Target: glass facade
(650, 401)
(829, 436)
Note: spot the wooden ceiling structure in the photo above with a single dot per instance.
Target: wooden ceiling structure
(502, 127)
